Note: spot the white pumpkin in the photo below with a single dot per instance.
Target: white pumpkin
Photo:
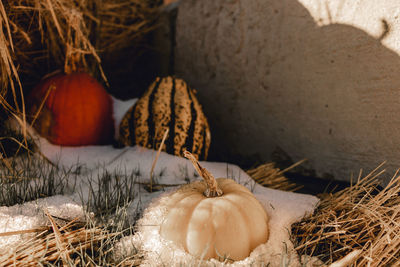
(215, 218)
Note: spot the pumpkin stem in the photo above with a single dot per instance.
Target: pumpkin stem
(213, 189)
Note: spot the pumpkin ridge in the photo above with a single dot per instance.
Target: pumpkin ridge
(139, 126)
(125, 127)
(171, 148)
(62, 102)
(202, 201)
(229, 185)
(203, 149)
(207, 138)
(196, 149)
(161, 113)
(212, 242)
(254, 200)
(214, 251)
(257, 205)
(130, 129)
(128, 123)
(150, 118)
(233, 188)
(200, 124)
(83, 103)
(183, 118)
(189, 139)
(141, 114)
(243, 214)
(194, 192)
(232, 229)
(246, 195)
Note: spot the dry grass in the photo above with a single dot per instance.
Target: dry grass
(9, 74)
(362, 221)
(39, 36)
(75, 243)
(270, 176)
(68, 32)
(363, 216)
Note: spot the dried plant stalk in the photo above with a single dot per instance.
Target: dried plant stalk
(38, 36)
(8, 70)
(363, 216)
(75, 238)
(270, 176)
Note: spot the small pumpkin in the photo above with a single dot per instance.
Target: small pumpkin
(215, 218)
(169, 103)
(77, 110)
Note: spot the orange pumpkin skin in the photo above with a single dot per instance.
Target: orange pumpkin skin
(78, 111)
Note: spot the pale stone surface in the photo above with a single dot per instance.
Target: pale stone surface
(318, 79)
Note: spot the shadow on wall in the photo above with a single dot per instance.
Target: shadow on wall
(269, 77)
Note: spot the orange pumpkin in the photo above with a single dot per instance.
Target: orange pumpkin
(77, 110)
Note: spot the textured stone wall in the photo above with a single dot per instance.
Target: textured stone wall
(310, 79)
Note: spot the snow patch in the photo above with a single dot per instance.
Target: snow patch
(30, 215)
(283, 208)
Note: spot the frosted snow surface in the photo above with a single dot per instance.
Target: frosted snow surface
(31, 215)
(283, 208)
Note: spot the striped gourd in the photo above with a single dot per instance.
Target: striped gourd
(169, 103)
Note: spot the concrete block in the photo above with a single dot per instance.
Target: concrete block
(311, 79)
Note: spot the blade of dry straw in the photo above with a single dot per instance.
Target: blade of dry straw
(7, 61)
(44, 247)
(54, 16)
(36, 115)
(362, 217)
(157, 155)
(347, 260)
(5, 19)
(20, 232)
(269, 176)
(60, 242)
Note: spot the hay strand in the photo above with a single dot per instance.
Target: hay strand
(156, 159)
(347, 260)
(37, 37)
(269, 176)
(64, 33)
(361, 217)
(45, 247)
(60, 242)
